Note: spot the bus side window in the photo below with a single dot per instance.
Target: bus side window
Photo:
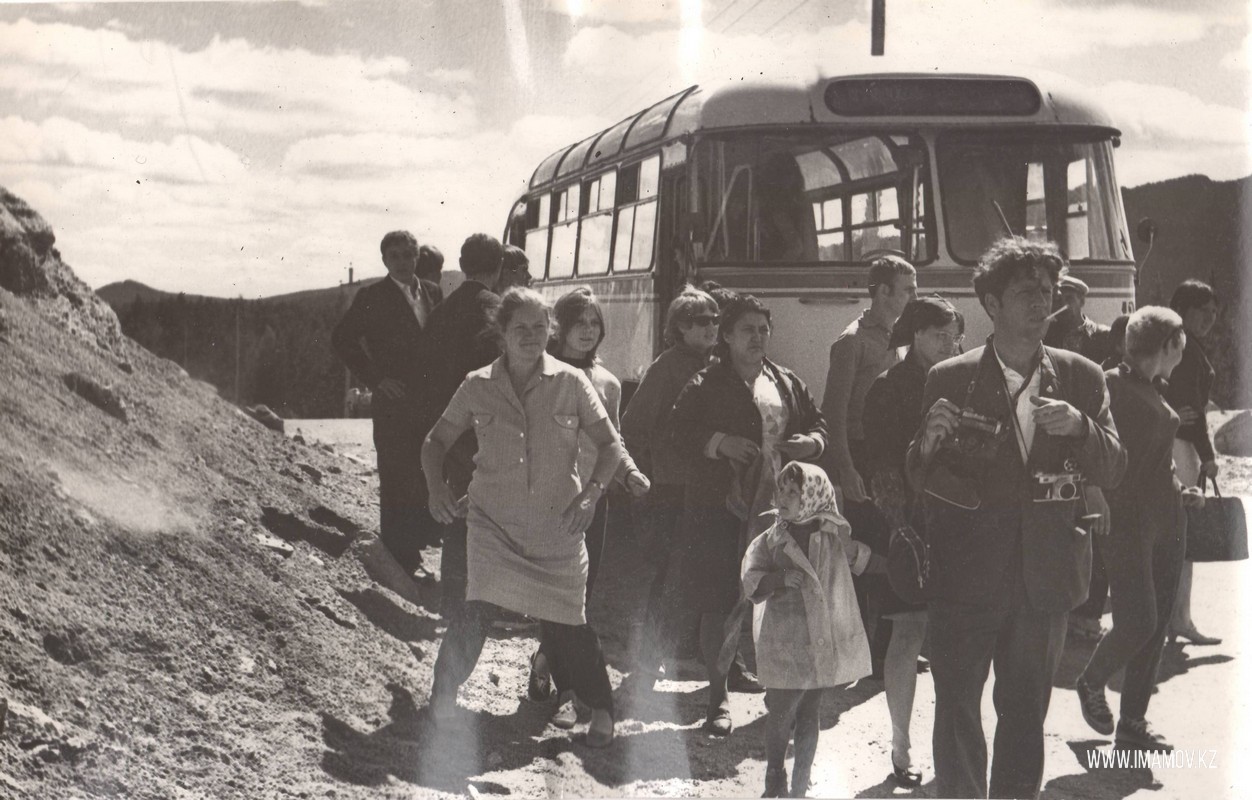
(538, 218)
(596, 233)
(565, 232)
(637, 187)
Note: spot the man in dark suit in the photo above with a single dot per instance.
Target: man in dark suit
(459, 340)
(379, 338)
(1012, 432)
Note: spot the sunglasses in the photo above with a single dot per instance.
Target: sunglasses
(704, 320)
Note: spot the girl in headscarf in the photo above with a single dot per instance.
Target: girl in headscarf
(806, 622)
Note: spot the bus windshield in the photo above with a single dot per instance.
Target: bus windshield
(805, 197)
(1042, 186)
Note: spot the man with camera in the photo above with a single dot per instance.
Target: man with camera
(1013, 433)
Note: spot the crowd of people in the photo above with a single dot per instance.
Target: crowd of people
(969, 504)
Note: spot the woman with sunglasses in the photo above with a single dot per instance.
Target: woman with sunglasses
(932, 330)
(691, 332)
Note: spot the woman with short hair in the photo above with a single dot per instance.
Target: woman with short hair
(733, 424)
(527, 507)
(1143, 550)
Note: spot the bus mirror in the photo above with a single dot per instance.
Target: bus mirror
(1146, 231)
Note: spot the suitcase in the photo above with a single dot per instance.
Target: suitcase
(1219, 530)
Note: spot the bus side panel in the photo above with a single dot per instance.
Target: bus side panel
(630, 320)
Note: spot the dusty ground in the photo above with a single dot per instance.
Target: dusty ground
(661, 751)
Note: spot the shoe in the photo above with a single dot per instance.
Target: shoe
(600, 732)
(775, 783)
(1095, 708)
(566, 715)
(1137, 734)
(539, 686)
(1193, 636)
(744, 682)
(923, 665)
(718, 723)
(905, 776)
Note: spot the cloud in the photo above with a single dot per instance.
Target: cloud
(60, 142)
(618, 11)
(230, 84)
(921, 35)
(455, 76)
(257, 230)
(1240, 59)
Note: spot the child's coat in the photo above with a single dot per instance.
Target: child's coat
(810, 638)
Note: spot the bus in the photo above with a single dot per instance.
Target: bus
(788, 191)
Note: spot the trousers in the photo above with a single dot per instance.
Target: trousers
(404, 525)
(1143, 581)
(1025, 645)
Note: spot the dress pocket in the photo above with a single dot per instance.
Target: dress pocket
(567, 422)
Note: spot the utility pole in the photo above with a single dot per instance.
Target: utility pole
(877, 26)
(238, 309)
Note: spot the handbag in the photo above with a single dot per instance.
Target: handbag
(1219, 530)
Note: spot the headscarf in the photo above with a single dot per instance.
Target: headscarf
(817, 497)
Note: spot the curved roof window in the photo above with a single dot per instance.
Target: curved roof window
(610, 144)
(651, 124)
(546, 170)
(574, 161)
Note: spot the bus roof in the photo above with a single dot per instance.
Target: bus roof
(953, 100)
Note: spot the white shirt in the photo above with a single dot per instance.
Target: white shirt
(1025, 433)
(415, 300)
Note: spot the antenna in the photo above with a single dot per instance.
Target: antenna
(1004, 219)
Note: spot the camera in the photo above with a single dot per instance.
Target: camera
(1057, 486)
(976, 435)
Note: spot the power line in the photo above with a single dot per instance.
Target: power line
(741, 16)
(779, 21)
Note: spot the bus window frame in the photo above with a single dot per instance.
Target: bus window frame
(633, 205)
(917, 135)
(610, 211)
(1059, 134)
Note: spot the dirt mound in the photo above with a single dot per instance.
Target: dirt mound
(157, 640)
(31, 267)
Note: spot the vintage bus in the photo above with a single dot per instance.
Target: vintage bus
(788, 191)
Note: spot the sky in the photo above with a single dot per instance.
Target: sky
(256, 148)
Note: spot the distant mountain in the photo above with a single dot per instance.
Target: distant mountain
(275, 350)
(1204, 231)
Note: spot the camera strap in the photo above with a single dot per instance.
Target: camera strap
(1013, 398)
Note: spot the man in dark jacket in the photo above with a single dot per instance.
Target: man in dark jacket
(458, 341)
(1012, 431)
(379, 338)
